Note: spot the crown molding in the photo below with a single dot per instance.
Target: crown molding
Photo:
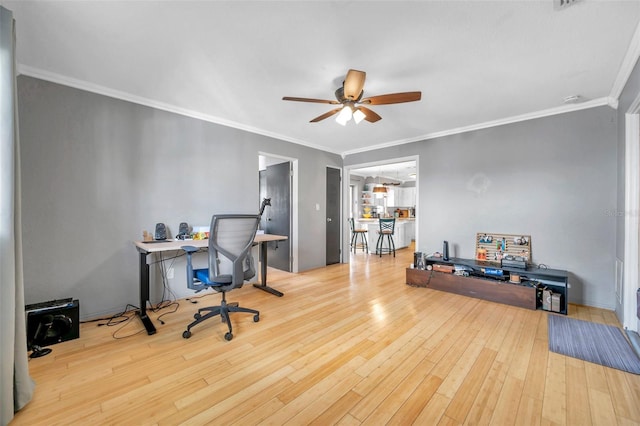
(628, 63)
(117, 94)
(495, 123)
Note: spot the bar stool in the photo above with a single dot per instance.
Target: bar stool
(387, 228)
(362, 232)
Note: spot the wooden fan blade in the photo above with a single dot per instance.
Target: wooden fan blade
(325, 115)
(369, 115)
(353, 84)
(318, 101)
(393, 98)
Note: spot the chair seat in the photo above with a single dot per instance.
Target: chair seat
(385, 232)
(203, 276)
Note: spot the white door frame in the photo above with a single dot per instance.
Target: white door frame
(294, 206)
(632, 215)
(340, 209)
(345, 190)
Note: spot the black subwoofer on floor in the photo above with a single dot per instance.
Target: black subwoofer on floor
(52, 322)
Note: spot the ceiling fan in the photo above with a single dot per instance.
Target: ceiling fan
(349, 96)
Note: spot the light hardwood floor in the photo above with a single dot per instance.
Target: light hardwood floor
(347, 344)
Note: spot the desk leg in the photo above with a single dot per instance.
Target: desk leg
(144, 294)
(263, 272)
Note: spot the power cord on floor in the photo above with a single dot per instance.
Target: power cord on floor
(176, 306)
(116, 319)
(193, 300)
(168, 300)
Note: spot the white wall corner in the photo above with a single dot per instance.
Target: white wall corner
(629, 61)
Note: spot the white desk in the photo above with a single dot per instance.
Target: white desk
(145, 248)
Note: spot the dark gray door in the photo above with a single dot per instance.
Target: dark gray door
(275, 183)
(333, 215)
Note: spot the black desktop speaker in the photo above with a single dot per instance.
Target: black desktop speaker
(183, 231)
(52, 322)
(161, 232)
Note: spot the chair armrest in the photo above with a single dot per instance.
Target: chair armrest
(192, 282)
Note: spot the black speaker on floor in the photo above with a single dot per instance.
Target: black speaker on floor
(52, 322)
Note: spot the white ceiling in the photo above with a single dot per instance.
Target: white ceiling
(477, 63)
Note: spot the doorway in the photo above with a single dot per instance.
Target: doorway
(276, 181)
(400, 175)
(333, 216)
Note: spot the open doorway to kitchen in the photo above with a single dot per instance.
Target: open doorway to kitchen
(384, 189)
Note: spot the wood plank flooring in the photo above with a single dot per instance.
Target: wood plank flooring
(347, 344)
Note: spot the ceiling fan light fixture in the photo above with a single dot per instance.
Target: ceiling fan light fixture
(350, 97)
(358, 116)
(344, 116)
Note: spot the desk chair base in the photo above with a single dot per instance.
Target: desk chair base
(223, 310)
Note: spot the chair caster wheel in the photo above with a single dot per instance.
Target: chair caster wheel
(186, 334)
(256, 318)
(228, 336)
(197, 316)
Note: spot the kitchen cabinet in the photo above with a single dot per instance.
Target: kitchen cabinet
(410, 231)
(404, 197)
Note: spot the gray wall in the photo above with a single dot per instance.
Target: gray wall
(97, 171)
(552, 178)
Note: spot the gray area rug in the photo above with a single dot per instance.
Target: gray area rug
(598, 343)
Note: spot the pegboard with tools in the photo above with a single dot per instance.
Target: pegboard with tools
(492, 247)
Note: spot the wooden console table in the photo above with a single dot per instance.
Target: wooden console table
(491, 288)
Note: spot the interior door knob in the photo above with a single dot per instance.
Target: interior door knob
(328, 219)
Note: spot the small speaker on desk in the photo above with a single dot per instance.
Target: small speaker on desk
(161, 232)
(183, 231)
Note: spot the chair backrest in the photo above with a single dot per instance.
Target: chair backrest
(230, 239)
(388, 225)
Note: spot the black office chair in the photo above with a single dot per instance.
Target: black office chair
(230, 264)
(387, 229)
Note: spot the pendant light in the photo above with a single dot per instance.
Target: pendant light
(380, 189)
